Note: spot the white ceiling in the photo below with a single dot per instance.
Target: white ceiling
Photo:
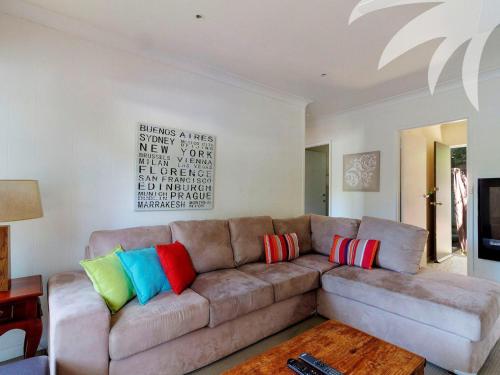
(283, 44)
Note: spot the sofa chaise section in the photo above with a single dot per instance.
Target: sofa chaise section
(467, 312)
(452, 320)
(447, 350)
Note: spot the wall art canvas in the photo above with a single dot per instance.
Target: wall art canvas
(175, 169)
(362, 171)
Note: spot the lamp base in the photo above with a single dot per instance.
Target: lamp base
(4, 258)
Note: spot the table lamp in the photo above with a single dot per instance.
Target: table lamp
(19, 200)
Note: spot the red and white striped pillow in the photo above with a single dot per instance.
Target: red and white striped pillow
(353, 252)
(280, 248)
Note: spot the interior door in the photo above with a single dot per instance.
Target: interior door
(414, 182)
(442, 202)
(316, 182)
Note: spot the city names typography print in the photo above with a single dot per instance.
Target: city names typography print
(175, 169)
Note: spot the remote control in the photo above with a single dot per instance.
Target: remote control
(319, 365)
(301, 368)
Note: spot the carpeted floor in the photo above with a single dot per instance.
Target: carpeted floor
(491, 367)
(457, 263)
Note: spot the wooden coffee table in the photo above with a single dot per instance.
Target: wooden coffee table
(351, 351)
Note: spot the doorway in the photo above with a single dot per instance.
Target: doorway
(317, 180)
(434, 191)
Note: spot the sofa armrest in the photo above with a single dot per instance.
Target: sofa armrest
(79, 324)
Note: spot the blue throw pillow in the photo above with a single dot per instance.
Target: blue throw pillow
(144, 270)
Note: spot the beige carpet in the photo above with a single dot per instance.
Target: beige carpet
(491, 367)
(455, 264)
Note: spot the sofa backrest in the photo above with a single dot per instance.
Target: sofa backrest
(247, 238)
(103, 241)
(220, 244)
(208, 242)
(401, 245)
(323, 229)
(301, 226)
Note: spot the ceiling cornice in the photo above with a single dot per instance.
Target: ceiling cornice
(450, 85)
(73, 26)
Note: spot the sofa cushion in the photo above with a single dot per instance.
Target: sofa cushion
(401, 245)
(354, 252)
(461, 305)
(281, 247)
(110, 279)
(207, 242)
(323, 229)
(299, 225)
(101, 242)
(287, 279)
(144, 270)
(136, 327)
(177, 265)
(232, 293)
(247, 238)
(316, 262)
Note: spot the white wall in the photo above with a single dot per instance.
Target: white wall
(68, 115)
(377, 128)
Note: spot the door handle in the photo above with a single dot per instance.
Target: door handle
(436, 204)
(430, 193)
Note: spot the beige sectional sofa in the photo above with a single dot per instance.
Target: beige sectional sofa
(237, 299)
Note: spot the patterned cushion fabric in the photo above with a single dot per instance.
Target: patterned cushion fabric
(280, 248)
(360, 253)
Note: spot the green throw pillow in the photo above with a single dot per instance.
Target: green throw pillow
(109, 279)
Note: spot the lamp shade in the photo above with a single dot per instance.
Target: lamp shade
(19, 200)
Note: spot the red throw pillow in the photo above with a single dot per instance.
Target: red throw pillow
(177, 265)
(280, 248)
(353, 252)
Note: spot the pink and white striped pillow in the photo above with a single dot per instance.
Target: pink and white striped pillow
(280, 248)
(360, 253)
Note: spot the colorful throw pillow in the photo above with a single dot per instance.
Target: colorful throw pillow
(144, 269)
(177, 265)
(280, 248)
(110, 279)
(360, 253)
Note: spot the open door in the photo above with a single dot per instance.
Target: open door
(316, 182)
(442, 202)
